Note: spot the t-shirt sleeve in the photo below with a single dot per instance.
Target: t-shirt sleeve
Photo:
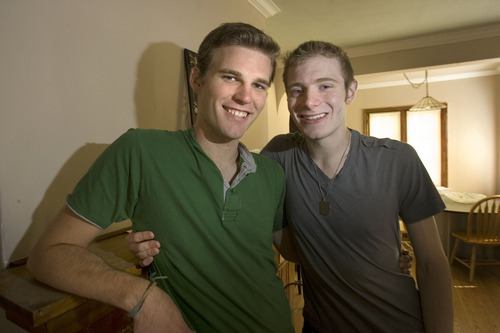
(419, 198)
(276, 176)
(108, 192)
(273, 149)
(276, 147)
(280, 220)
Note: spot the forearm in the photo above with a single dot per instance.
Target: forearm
(61, 259)
(433, 276)
(76, 270)
(436, 296)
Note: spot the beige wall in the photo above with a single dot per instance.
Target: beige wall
(473, 110)
(74, 76)
(473, 125)
(497, 151)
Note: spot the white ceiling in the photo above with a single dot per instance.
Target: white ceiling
(358, 24)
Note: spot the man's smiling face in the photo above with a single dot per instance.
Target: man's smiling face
(317, 97)
(232, 93)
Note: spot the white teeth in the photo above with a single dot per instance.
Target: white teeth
(314, 117)
(236, 113)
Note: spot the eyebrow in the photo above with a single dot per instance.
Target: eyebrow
(323, 79)
(318, 80)
(238, 74)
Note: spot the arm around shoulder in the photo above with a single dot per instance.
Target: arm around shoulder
(284, 243)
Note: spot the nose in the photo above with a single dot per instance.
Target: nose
(243, 94)
(310, 99)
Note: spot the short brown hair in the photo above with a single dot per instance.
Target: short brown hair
(240, 34)
(317, 48)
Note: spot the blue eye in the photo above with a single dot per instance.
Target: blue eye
(259, 86)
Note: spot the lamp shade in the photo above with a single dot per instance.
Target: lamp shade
(427, 104)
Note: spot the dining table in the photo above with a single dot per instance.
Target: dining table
(454, 217)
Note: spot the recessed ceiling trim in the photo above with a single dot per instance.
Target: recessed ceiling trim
(442, 38)
(266, 7)
(449, 77)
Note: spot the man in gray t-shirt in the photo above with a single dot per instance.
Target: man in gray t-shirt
(345, 195)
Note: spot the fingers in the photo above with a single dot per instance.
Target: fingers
(139, 236)
(406, 257)
(405, 262)
(142, 242)
(146, 262)
(145, 249)
(143, 246)
(405, 268)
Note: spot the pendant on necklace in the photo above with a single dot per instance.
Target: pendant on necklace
(324, 207)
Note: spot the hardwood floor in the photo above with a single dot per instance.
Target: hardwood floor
(476, 305)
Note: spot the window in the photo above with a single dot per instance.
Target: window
(424, 130)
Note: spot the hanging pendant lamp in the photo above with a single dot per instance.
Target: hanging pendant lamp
(427, 103)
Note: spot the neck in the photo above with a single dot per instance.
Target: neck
(330, 153)
(223, 154)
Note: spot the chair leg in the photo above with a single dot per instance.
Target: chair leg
(472, 264)
(454, 251)
(484, 250)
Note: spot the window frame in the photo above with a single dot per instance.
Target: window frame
(404, 137)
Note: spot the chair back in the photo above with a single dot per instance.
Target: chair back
(483, 221)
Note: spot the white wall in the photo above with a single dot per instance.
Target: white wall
(74, 75)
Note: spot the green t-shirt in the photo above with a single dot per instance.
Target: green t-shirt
(216, 252)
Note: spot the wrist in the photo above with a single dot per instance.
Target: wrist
(140, 294)
(132, 293)
(138, 307)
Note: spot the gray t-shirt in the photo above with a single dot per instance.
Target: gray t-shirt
(350, 258)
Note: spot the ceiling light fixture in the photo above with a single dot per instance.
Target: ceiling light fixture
(427, 103)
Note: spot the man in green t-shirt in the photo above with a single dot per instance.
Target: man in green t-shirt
(214, 206)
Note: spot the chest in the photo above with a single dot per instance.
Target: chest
(364, 196)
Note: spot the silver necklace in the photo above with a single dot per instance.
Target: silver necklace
(324, 205)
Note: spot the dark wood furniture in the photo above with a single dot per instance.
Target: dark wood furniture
(38, 308)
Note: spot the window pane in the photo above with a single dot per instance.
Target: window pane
(424, 134)
(385, 125)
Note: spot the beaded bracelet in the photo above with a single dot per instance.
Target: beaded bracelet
(152, 283)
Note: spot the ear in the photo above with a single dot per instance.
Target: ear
(195, 79)
(351, 92)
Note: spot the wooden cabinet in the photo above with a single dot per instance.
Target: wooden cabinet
(39, 308)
